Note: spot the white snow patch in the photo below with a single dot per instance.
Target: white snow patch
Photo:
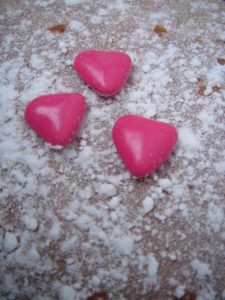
(106, 190)
(148, 204)
(202, 269)
(67, 293)
(152, 269)
(10, 242)
(188, 139)
(30, 222)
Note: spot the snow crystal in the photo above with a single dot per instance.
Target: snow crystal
(79, 27)
(220, 167)
(30, 222)
(113, 216)
(152, 268)
(180, 290)
(123, 245)
(146, 68)
(36, 62)
(113, 203)
(96, 19)
(54, 232)
(148, 204)
(33, 255)
(188, 139)
(72, 2)
(202, 269)
(165, 183)
(96, 281)
(10, 242)
(215, 216)
(67, 293)
(106, 190)
(69, 244)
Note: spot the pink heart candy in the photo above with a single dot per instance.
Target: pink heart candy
(104, 71)
(143, 144)
(56, 118)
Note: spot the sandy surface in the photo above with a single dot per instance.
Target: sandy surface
(74, 222)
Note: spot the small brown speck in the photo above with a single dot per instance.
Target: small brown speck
(202, 90)
(187, 296)
(58, 28)
(98, 296)
(221, 61)
(216, 88)
(160, 30)
(199, 40)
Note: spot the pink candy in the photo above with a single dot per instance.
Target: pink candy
(143, 144)
(56, 118)
(104, 71)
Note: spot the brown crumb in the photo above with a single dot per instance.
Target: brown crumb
(98, 296)
(216, 89)
(202, 90)
(199, 40)
(191, 187)
(58, 28)
(221, 61)
(160, 30)
(218, 41)
(187, 296)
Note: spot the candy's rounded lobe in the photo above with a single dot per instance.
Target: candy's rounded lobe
(104, 71)
(56, 118)
(143, 144)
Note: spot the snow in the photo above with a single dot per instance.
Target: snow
(113, 203)
(202, 269)
(215, 216)
(148, 204)
(179, 292)
(76, 25)
(123, 245)
(33, 255)
(66, 293)
(152, 269)
(54, 232)
(96, 281)
(106, 190)
(188, 139)
(30, 222)
(73, 2)
(36, 62)
(10, 242)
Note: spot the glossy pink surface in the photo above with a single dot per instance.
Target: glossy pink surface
(104, 71)
(143, 144)
(56, 118)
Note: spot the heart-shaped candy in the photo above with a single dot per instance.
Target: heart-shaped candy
(143, 144)
(104, 71)
(56, 117)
